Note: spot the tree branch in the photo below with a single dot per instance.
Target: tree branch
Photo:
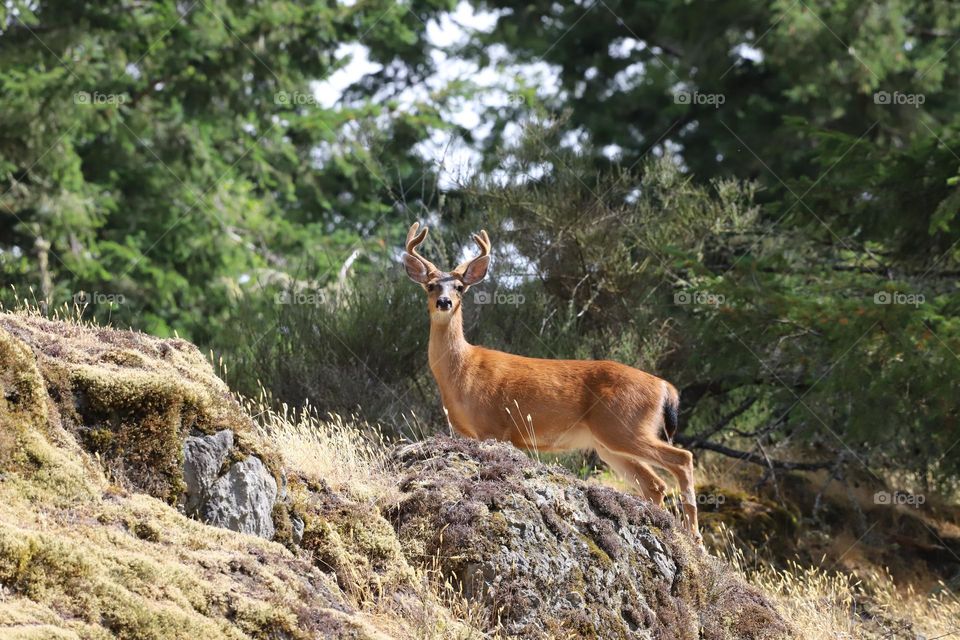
(749, 456)
(725, 420)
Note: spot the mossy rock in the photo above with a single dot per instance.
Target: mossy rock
(130, 399)
(35, 451)
(352, 540)
(548, 555)
(84, 555)
(23, 406)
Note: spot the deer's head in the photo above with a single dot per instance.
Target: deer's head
(444, 289)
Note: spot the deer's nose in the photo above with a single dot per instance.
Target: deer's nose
(444, 304)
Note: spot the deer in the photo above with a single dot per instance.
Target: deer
(548, 405)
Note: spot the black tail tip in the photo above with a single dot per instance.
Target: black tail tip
(671, 410)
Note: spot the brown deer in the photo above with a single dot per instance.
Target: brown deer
(548, 405)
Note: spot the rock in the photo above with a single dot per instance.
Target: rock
(549, 555)
(241, 499)
(298, 526)
(203, 458)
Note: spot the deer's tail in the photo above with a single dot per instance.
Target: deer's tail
(671, 411)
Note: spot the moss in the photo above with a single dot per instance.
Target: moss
(28, 562)
(262, 620)
(131, 398)
(123, 358)
(146, 531)
(282, 524)
(23, 619)
(596, 552)
(22, 399)
(99, 439)
(27, 420)
(329, 552)
(499, 526)
(140, 422)
(157, 575)
(354, 542)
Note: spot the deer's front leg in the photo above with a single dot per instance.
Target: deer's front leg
(457, 424)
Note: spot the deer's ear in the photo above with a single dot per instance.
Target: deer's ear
(416, 270)
(476, 270)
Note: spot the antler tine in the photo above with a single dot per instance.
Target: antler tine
(414, 240)
(483, 241)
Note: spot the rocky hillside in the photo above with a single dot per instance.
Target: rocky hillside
(139, 500)
(557, 557)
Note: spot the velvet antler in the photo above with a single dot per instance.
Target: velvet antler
(414, 240)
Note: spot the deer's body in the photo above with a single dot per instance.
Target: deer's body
(489, 394)
(549, 405)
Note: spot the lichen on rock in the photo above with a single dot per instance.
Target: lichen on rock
(551, 556)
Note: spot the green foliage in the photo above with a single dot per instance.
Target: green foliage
(691, 282)
(844, 112)
(657, 271)
(347, 351)
(156, 156)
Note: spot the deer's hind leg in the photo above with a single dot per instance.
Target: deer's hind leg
(643, 448)
(636, 473)
(679, 462)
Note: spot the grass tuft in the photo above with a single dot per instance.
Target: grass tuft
(826, 605)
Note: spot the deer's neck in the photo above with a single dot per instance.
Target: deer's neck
(448, 348)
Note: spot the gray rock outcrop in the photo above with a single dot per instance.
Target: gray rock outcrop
(552, 556)
(203, 459)
(239, 497)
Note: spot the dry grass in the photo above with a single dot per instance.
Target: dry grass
(829, 605)
(349, 455)
(351, 458)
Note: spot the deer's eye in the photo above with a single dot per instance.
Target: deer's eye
(460, 288)
(431, 287)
